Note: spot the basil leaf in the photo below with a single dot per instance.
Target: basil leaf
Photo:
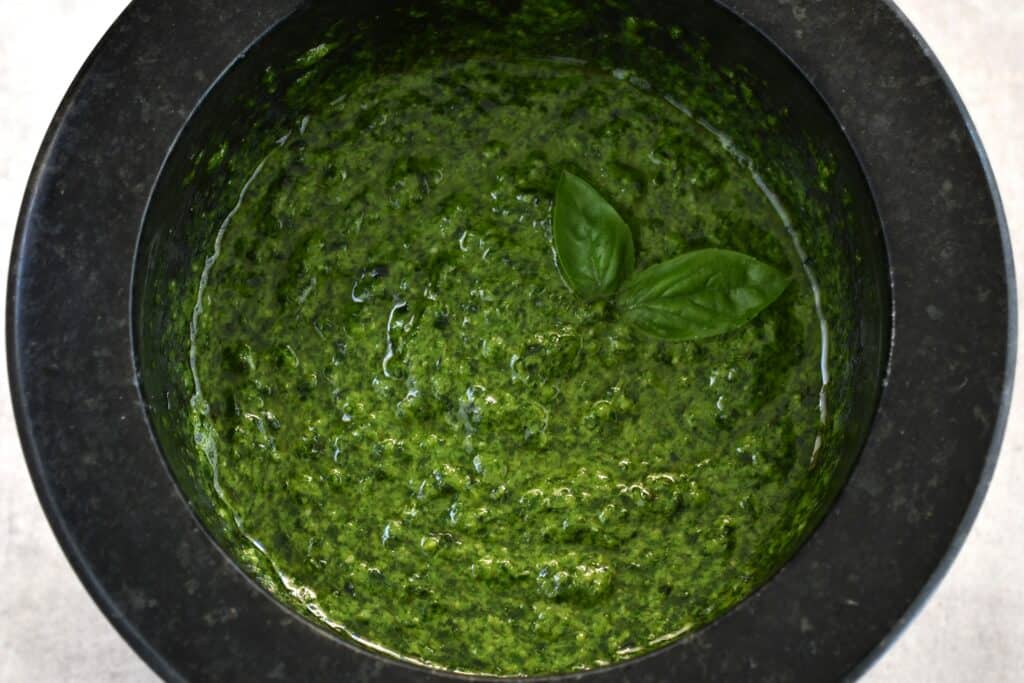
(593, 245)
(700, 294)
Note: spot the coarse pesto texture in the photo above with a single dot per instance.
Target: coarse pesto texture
(409, 428)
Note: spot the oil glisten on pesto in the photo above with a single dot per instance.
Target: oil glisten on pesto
(428, 442)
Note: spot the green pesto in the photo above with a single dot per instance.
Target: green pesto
(412, 429)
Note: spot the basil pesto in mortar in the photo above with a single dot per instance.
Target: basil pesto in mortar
(418, 435)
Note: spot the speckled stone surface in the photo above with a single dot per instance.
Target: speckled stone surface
(817, 620)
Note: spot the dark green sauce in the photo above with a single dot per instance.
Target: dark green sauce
(419, 436)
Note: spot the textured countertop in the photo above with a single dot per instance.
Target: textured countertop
(970, 630)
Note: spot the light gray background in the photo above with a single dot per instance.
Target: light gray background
(971, 630)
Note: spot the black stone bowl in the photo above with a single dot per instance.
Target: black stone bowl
(936, 342)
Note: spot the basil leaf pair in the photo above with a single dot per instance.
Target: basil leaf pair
(698, 294)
